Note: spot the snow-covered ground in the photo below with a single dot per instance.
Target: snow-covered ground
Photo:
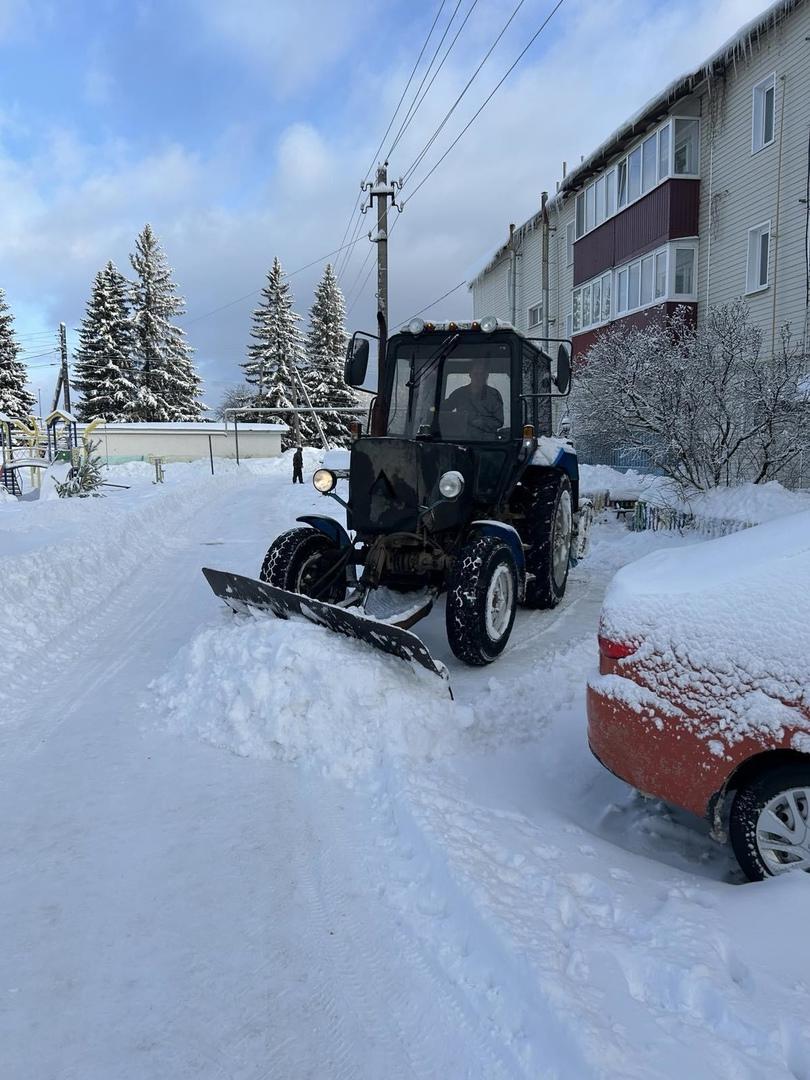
(239, 847)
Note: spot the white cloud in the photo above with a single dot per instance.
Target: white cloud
(292, 44)
(221, 232)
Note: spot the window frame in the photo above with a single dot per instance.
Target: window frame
(538, 306)
(615, 284)
(615, 180)
(759, 94)
(764, 228)
(570, 240)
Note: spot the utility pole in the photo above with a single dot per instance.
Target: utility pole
(381, 190)
(64, 376)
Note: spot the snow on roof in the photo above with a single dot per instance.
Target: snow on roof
(738, 47)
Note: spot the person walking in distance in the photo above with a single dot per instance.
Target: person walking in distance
(298, 466)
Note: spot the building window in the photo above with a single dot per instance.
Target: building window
(590, 208)
(621, 175)
(684, 271)
(686, 148)
(672, 150)
(649, 164)
(660, 275)
(535, 315)
(764, 116)
(623, 296)
(634, 286)
(634, 175)
(569, 326)
(663, 153)
(610, 193)
(647, 279)
(668, 274)
(569, 244)
(759, 243)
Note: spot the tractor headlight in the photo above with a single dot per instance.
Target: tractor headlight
(451, 484)
(416, 326)
(324, 480)
(489, 323)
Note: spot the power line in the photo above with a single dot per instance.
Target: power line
(454, 106)
(490, 96)
(409, 119)
(292, 273)
(385, 135)
(413, 106)
(433, 303)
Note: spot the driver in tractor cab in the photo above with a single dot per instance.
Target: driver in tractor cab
(477, 407)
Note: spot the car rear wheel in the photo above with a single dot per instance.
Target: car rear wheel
(770, 822)
(481, 600)
(305, 561)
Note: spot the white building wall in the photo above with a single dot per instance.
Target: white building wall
(741, 189)
(187, 442)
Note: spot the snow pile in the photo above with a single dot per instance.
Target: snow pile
(293, 691)
(622, 485)
(6, 496)
(723, 629)
(753, 503)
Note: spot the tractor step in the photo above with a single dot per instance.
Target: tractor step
(247, 594)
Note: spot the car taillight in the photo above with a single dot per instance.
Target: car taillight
(615, 650)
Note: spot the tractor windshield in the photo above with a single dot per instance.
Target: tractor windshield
(464, 397)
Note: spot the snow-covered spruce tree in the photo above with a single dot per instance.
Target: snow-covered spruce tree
(705, 403)
(170, 388)
(276, 359)
(326, 354)
(15, 400)
(104, 369)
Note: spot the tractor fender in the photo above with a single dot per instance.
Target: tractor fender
(329, 527)
(504, 532)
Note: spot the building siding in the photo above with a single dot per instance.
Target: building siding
(742, 189)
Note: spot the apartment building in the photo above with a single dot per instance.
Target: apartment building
(701, 197)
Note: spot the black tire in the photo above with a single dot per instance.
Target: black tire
(298, 559)
(551, 508)
(481, 563)
(749, 804)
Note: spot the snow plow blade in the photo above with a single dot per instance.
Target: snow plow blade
(244, 594)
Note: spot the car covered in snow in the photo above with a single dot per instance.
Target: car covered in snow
(703, 696)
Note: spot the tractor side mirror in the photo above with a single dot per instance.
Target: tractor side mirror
(356, 361)
(562, 380)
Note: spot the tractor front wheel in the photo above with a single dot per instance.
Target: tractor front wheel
(481, 600)
(305, 561)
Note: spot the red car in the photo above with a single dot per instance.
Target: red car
(703, 697)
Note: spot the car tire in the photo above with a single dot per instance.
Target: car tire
(549, 534)
(769, 824)
(297, 559)
(481, 600)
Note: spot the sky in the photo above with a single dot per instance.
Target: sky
(241, 130)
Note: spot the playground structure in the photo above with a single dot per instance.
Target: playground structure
(26, 446)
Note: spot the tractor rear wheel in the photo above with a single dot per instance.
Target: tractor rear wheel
(548, 534)
(305, 561)
(481, 600)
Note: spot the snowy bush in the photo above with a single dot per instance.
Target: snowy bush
(704, 403)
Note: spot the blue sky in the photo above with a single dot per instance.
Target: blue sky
(241, 130)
